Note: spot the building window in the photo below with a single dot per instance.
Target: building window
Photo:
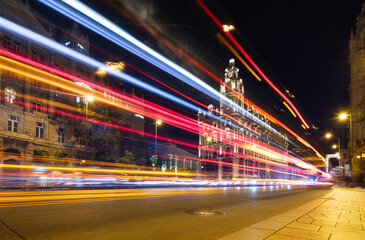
(57, 113)
(10, 94)
(42, 60)
(80, 48)
(16, 47)
(39, 130)
(37, 106)
(37, 84)
(61, 135)
(82, 142)
(13, 123)
(56, 66)
(34, 56)
(6, 42)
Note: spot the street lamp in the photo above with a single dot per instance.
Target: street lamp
(228, 28)
(334, 146)
(343, 116)
(158, 122)
(87, 100)
(328, 136)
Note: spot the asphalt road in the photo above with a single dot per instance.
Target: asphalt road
(144, 213)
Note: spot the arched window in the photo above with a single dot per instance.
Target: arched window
(10, 94)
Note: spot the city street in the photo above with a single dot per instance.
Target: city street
(144, 213)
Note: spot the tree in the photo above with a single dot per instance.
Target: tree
(103, 145)
(128, 158)
(81, 130)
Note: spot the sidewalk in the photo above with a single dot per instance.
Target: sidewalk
(339, 214)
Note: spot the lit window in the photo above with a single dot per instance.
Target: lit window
(13, 123)
(39, 130)
(34, 56)
(6, 42)
(80, 48)
(61, 135)
(36, 106)
(10, 94)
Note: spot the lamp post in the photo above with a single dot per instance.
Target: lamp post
(158, 122)
(344, 116)
(87, 99)
(340, 161)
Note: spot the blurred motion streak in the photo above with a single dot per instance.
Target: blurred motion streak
(251, 61)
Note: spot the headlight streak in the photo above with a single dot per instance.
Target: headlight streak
(30, 75)
(168, 114)
(266, 79)
(114, 73)
(18, 30)
(251, 61)
(120, 32)
(115, 34)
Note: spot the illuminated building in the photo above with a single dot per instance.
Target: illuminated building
(31, 121)
(173, 158)
(232, 141)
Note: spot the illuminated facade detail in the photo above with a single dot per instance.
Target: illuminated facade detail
(10, 94)
(239, 146)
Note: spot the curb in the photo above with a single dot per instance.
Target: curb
(268, 227)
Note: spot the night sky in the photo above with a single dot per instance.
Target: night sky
(305, 44)
(301, 46)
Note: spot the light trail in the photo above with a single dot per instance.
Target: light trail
(83, 93)
(30, 73)
(108, 30)
(238, 56)
(250, 103)
(97, 170)
(18, 30)
(173, 118)
(206, 9)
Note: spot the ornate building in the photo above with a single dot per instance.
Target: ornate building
(31, 122)
(228, 136)
(357, 85)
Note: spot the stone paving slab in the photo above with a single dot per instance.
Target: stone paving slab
(7, 234)
(339, 214)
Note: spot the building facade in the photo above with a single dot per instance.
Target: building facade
(228, 137)
(357, 84)
(31, 119)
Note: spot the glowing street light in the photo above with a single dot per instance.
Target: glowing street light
(329, 136)
(119, 66)
(157, 123)
(344, 116)
(209, 139)
(87, 100)
(228, 28)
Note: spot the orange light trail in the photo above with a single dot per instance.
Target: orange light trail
(206, 9)
(238, 56)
